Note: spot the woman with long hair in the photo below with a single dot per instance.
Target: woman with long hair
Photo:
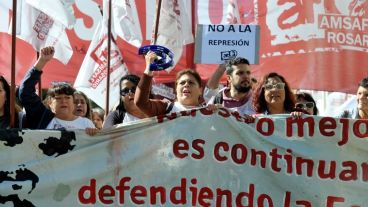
(306, 102)
(82, 105)
(273, 95)
(126, 111)
(5, 106)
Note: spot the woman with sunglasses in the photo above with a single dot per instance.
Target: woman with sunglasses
(306, 103)
(272, 95)
(126, 111)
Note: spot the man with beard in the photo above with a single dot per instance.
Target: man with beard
(237, 95)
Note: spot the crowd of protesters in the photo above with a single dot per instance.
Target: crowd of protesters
(67, 109)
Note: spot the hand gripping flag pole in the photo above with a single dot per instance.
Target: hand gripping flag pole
(165, 56)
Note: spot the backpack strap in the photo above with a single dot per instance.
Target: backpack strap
(218, 98)
(169, 107)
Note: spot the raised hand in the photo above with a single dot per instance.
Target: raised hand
(46, 54)
(149, 57)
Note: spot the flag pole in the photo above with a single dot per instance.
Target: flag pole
(190, 56)
(39, 81)
(108, 61)
(157, 21)
(13, 54)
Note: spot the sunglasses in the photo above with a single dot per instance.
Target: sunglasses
(307, 105)
(126, 91)
(277, 86)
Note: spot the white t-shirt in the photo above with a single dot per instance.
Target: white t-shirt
(128, 118)
(78, 123)
(179, 107)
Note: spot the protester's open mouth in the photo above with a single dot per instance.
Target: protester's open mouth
(186, 92)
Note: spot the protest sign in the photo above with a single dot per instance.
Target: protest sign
(219, 43)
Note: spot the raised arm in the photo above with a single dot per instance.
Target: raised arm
(141, 98)
(214, 80)
(27, 92)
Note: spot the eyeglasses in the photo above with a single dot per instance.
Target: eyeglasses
(125, 91)
(277, 86)
(307, 105)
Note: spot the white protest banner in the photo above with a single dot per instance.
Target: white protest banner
(194, 158)
(217, 43)
(92, 75)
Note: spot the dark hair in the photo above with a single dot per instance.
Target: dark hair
(130, 77)
(235, 61)
(59, 88)
(191, 72)
(259, 101)
(364, 82)
(17, 109)
(307, 97)
(88, 102)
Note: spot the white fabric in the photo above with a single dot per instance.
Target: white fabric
(209, 94)
(41, 30)
(129, 118)
(78, 123)
(91, 78)
(60, 10)
(180, 107)
(174, 28)
(233, 16)
(218, 151)
(125, 17)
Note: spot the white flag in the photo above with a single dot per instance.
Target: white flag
(174, 28)
(59, 10)
(125, 17)
(233, 16)
(40, 30)
(92, 75)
